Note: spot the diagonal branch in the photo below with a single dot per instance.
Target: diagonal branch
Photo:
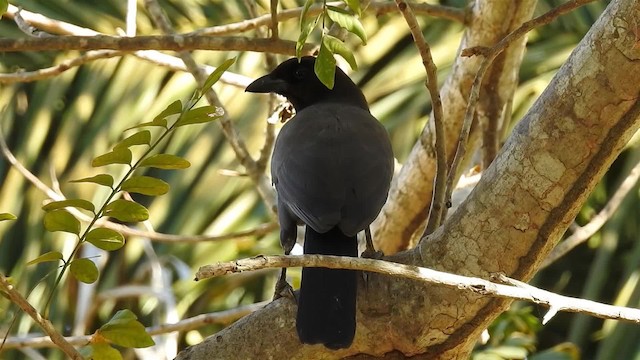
(17, 298)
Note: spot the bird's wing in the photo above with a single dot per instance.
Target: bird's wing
(330, 164)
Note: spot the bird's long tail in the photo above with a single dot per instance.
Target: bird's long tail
(327, 302)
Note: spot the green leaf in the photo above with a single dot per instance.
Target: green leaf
(354, 5)
(173, 109)
(348, 21)
(145, 185)
(160, 119)
(4, 5)
(336, 46)
(49, 256)
(140, 138)
(61, 220)
(7, 216)
(127, 211)
(76, 203)
(124, 330)
(306, 27)
(105, 239)
(165, 161)
(117, 156)
(200, 115)
(100, 351)
(325, 66)
(84, 270)
(216, 75)
(102, 179)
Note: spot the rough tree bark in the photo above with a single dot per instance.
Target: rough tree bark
(518, 211)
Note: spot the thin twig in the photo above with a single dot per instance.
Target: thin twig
(489, 55)
(45, 324)
(583, 233)
(41, 74)
(438, 198)
(259, 230)
(156, 57)
(378, 7)
(225, 317)
(465, 283)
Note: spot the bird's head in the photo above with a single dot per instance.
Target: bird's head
(297, 81)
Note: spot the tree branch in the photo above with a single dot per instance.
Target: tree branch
(177, 42)
(36, 341)
(436, 210)
(517, 291)
(45, 324)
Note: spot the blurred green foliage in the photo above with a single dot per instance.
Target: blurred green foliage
(56, 126)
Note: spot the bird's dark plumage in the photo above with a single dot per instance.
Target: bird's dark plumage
(332, 165)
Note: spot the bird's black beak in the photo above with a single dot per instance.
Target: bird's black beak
(267, 84)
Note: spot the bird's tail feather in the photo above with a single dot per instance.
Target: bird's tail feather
(327, 302)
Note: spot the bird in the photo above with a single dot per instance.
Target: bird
(332, 165)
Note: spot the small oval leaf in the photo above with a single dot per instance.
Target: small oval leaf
(118, 156)
(105, 239)
(165, 161)
(347, 21)
(325, 66)
(7, 216)
(76, 203)
(84, 270)
(140, 138)
(49, 256)
(127, 211)
(354, 5)
(217, 74)
(61, 220)
(102, 179)
(336, 46)
(100, 351)
(156, 122)
(145, 185)
(200, 115)
(173, 109)
(124, 330)
(306, 27)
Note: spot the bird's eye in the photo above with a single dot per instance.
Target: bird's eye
(300, 73)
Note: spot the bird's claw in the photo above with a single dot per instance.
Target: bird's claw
(284, 289)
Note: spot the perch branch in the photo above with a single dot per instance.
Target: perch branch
(476, 285)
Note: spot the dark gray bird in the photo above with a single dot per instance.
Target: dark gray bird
(331, 166)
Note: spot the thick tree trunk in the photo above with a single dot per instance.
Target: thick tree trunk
(520, 208)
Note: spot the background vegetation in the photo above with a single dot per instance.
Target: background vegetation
(56, 126)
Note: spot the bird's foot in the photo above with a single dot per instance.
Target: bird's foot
(371, 253)
(284, 290)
